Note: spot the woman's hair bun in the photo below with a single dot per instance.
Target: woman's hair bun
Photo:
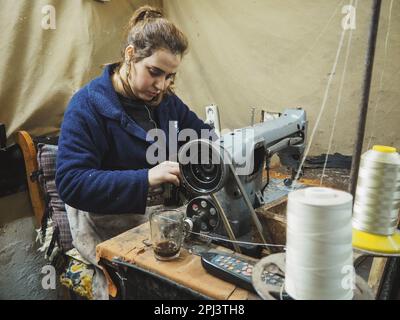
(146, 12)
(148, 30)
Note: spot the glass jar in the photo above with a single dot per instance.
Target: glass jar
(166, 227)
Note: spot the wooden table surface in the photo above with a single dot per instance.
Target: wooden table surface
(186, 270)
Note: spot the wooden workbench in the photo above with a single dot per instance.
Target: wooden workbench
(186, 270)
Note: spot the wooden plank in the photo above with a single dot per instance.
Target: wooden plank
(27, 146)
(376, 273)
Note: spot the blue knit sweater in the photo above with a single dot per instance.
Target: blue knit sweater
(101, 161)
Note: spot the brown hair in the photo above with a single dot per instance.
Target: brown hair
(148, 31)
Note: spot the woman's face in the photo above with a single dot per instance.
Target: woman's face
(151, 77)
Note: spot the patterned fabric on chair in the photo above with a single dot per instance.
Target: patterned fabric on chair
(75, 274)
(55, 210)
(55, 234)
(78, 277)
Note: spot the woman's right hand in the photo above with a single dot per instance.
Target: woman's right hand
(167, 171)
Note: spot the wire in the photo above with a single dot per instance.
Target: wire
(300, 62)
(240, 242)
(325, 99)
(360, 261)
(379, 93)
(339, 100)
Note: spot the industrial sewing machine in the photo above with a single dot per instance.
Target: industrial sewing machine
(226, 176)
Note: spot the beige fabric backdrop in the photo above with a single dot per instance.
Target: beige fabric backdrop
(244, 53)
(276, 54)
(41, 69)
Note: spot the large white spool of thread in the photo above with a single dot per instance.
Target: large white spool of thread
(377, 200)
(319, 252)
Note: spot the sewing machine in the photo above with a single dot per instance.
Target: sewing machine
(227, 175)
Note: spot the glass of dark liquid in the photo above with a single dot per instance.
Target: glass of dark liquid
(166, 227)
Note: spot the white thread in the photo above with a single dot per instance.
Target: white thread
(325, 99)
(319, 244)
(379, 94)
(377, 201)
(311, 48)
(339, 100)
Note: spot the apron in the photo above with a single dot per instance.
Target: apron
(89, 229)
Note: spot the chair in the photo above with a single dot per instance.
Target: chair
(54, 234)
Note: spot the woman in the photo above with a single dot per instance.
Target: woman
(103, 175)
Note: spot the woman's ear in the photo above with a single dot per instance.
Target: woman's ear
(129, 53)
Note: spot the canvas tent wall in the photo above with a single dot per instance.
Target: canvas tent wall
(260, 53)
(41, 67)
(264, 53)
(277, 54)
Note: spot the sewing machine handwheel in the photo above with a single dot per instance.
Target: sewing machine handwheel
(203, 168)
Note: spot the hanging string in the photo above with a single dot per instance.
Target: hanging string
(339, 100)
(379, 94)
(325, 99)
(311, 49)
(239, 242)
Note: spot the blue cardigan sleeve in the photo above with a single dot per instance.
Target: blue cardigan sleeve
(80, 181)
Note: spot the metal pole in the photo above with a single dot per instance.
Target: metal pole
(369, 64)
(3, 136)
